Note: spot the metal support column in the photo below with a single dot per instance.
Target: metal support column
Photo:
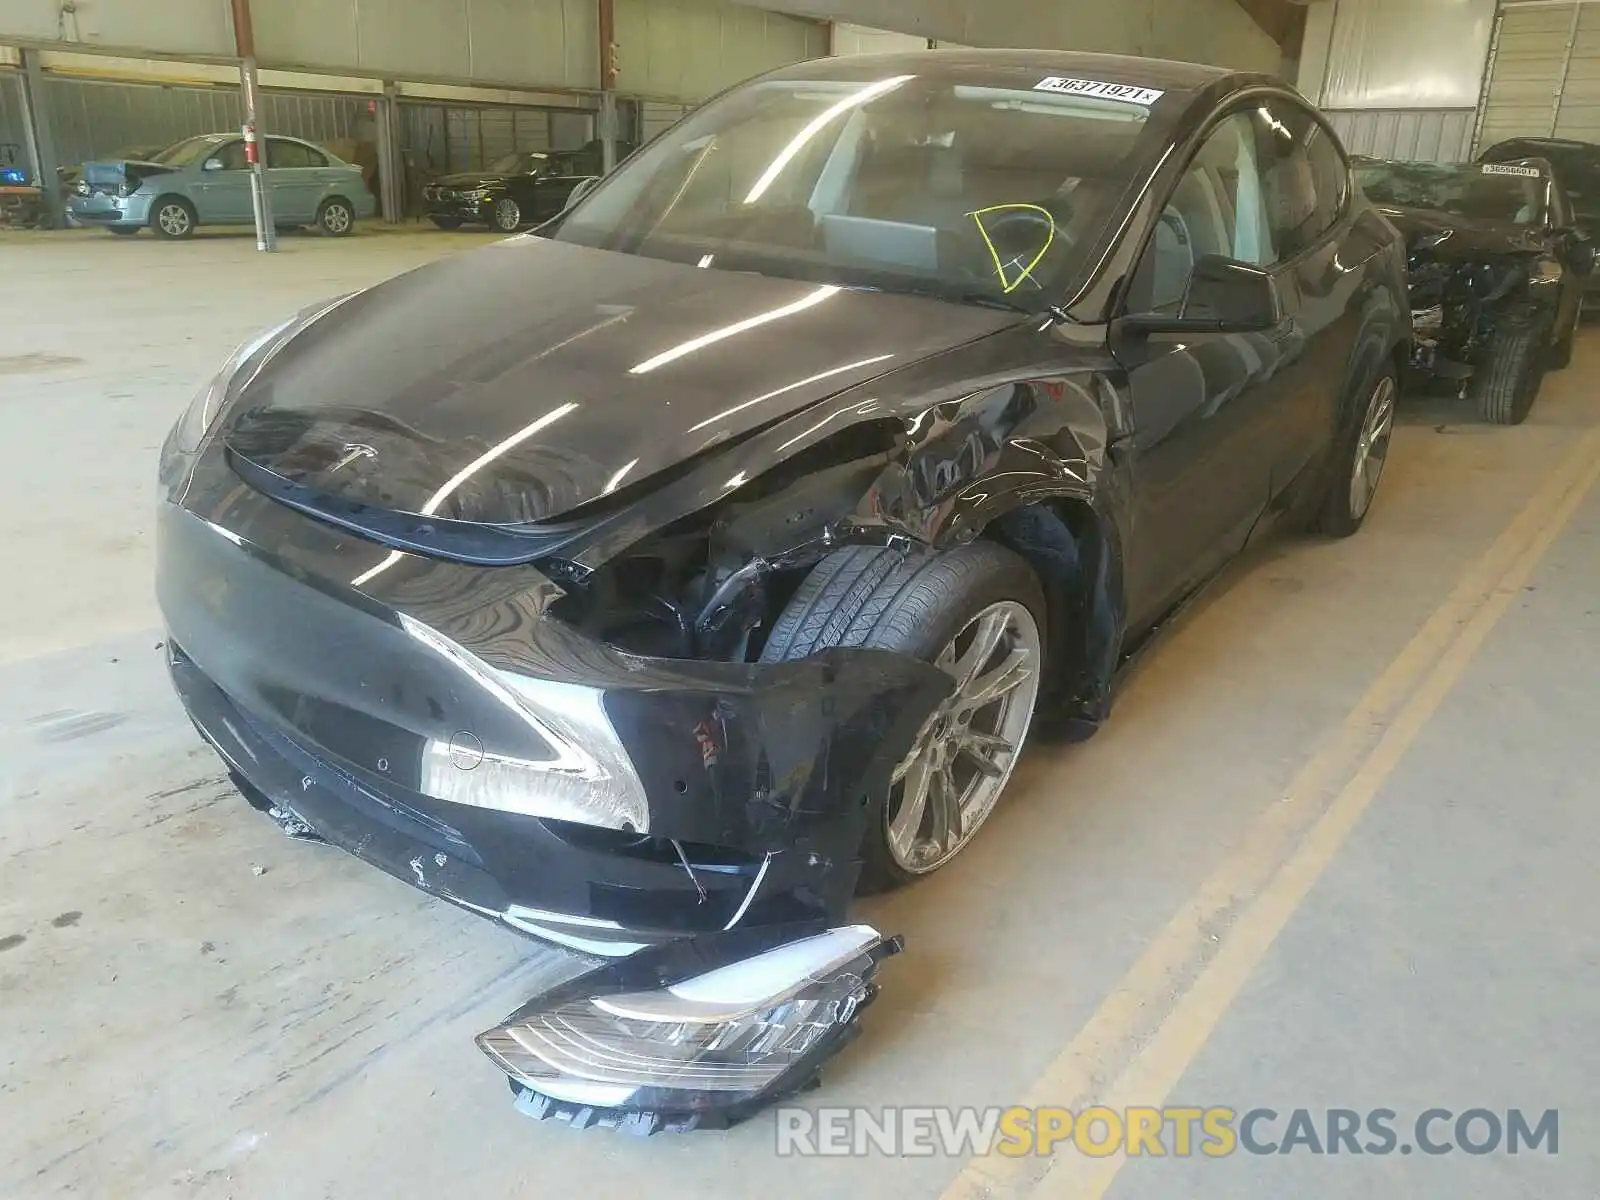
(254, 142)
(41, 141)
(608, 86)
(390, 176)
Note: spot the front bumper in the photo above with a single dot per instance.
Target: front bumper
(442, 202)
(331, 702)
(101, 209)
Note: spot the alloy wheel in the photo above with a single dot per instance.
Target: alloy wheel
(336, 218)
(1372, 447)
(948, 784)
(507, 216)
(173, 219)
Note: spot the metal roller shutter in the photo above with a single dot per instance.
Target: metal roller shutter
(1544, 73)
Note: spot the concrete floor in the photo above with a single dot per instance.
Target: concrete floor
(1333, 850)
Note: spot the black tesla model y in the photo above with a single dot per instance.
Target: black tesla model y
(653, 584)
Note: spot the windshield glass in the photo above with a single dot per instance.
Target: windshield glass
(989, 190)
(518, 162)
(187, 151)
(1487, 193)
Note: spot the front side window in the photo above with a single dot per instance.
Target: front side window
(1488, 192)
(1218, 208)
(982, 188)
(232, 157)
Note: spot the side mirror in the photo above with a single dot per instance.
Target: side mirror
(211, 164)
(1223, 296)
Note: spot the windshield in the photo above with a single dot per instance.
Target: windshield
(984, 191)
(518, 162)
(187, 151)
(1487, 193)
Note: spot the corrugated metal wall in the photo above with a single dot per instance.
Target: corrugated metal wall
(1545, 80)
(655, 117)
(13, 139)
(1416, 134)
(92, 118)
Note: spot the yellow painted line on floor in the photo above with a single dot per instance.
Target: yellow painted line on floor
(1393, 709)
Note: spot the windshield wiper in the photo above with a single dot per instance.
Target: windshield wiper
(980, 299)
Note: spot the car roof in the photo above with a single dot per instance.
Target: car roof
(1161, 73)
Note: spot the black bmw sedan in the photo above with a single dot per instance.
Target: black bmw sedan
(710, 556)
(526, 187)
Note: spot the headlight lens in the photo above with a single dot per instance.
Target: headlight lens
(718, 1041)
(203, 410)
(476, 194)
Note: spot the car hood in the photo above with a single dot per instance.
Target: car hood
(517, 382)
(1466, 237)
(470, 179)
(114, 173)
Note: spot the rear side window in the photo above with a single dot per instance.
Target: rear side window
(283, 153)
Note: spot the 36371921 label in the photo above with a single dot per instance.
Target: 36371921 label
(1128, 93)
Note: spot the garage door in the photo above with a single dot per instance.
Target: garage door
(1544, 78)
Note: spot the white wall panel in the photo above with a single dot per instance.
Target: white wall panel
(690, 49)
(539, 43)
(1529, 59)
(1387, 54)
(168, 26)
(861, 39)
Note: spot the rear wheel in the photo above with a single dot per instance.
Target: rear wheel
(335, 217)
(1506, 386)
(172, 217)
(977, 613)
(507, 216)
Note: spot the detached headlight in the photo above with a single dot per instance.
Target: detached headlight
(476, 194)
(710, 1048)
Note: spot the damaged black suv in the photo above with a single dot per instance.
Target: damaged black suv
(1498, 270)
(709, 555)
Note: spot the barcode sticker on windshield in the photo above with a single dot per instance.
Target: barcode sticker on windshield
(1502, 169)
(1125, 92)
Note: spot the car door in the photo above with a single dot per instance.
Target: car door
(1307, 189)
(295, 175)
(1201, 458)
(222, 196)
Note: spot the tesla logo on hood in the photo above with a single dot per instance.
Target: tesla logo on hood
(349, 453)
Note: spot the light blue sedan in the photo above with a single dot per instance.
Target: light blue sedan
(205, 180)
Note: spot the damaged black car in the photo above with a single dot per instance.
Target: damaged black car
(1498, 270)
(710, 556)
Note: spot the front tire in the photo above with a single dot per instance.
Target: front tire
(1362, 452)
(507, 215)
(335, 217)
(172, 217)
(1506, 386)
(975, 611)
